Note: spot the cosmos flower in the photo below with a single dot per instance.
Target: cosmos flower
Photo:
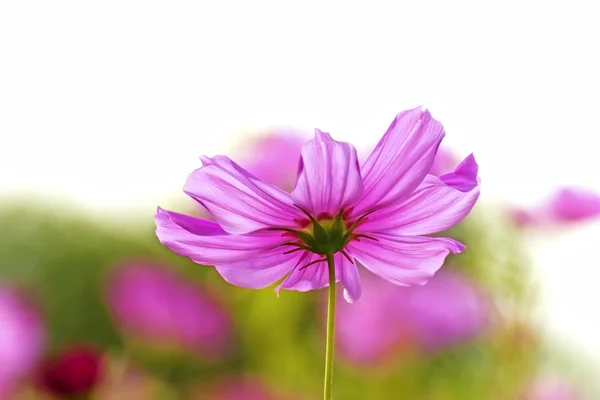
(566, 205)
(21, 338)
(377, 214)
(153, 303)
(73, 372)
(448, 310)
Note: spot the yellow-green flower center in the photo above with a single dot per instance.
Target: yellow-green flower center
(325, 236)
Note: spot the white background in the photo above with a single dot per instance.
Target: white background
(109, 103)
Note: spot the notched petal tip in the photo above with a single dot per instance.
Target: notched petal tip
(349, 297)
(321, 136)
(329, 176)
(456, 247)
(465, 176)
(401, 159)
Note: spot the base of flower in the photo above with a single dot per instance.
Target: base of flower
(329, 350)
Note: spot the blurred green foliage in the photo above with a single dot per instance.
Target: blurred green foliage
(63, 258)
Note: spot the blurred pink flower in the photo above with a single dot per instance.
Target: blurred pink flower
(379, 213)
(273, 157)
(155, 303)
(73, 372)
(240, 388)
(447, 311)
(245, 389)
(551, 389)
(567, 205)
(444, 162)
(21, 338)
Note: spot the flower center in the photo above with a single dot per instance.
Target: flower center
(325, 236)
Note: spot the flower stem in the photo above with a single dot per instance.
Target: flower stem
(330, 330)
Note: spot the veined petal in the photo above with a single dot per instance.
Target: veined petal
(304, 278)
(401, 159)
(204, 242)
(329, 178)
(259, 272)
(239, 201)
(316, 276)
(350, 279)
(405, 261)
(436, 205)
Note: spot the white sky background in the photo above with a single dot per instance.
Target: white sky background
(110, 103)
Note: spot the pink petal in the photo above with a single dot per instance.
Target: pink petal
(401, 260)
(259, 272)
(239, 201)
(316, 276)
(464, 177)
(204, 242)
(434, 206)
(350, 279)
(329, 178)
(401, 160)
(313, 277)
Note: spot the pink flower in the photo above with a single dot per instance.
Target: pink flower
(444, 162)
(21, 338)
(154, 303)
(241, 390)
(377, 213)
(74, 372)
(273, 157)
(551, 389)
(447, 311)
(567, 205)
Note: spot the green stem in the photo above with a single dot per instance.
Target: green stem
(330, 330)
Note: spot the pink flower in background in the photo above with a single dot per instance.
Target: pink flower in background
(73, 372)
(447, 311)
(378, 213)
(366, 332)
(444, 162)
(245, 389)
(551, 389)
(239, 388)
(273, 157)
(21, 338)
(154, 303)
(567, 205)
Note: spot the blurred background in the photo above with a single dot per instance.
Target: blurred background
(105, 108)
